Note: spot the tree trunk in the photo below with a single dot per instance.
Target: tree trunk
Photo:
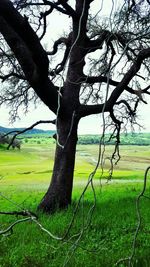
(58, 195)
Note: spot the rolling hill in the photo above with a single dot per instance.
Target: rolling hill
(32, 131)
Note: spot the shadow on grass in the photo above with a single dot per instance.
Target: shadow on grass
(98, 241)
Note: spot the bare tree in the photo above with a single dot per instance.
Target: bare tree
(103, 68)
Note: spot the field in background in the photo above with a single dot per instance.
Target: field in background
(33, 164)
(24, 178)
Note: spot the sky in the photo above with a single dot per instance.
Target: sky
(89, 125)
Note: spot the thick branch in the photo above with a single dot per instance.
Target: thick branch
(67, 42)
(26, 46)
(61, 40)
(85, 110)
(70, 11)
(104, 79)
(61, 65)
(145, 53)
(145, 90)
(93, 45)
(22, 28)
(19, 48)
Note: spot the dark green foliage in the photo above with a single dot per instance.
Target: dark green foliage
(125, 139)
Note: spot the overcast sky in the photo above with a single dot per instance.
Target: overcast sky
(91, 124)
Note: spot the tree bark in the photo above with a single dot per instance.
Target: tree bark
(59, 193)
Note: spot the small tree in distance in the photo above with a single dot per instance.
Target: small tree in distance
(103, 68)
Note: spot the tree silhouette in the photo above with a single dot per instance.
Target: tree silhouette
(103, 68)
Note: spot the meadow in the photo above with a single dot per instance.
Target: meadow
(103, 229)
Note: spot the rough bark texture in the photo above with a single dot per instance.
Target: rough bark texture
(59, 193)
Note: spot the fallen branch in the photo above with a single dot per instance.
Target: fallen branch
(10, 228)
(19, 213)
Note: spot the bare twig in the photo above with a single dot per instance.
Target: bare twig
(18, 213)
(10, 228)
(139, 220)
(26, 129)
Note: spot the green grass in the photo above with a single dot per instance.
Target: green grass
(108, 237)
(25, 177)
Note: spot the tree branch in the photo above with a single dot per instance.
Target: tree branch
(12, 74)
(19, 213)
(104, 79)
(61, 40)
(19, 48)
(145, 53)
(10, 228)
(70, 11)
(85, 110)
(45, 3)
(93, 45)
(145, 90)
(61, 65)
(26, 46)
(26, 129)
(25, 32)
(123, 101)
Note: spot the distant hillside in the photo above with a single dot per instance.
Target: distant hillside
(125, 139)
(33, 131)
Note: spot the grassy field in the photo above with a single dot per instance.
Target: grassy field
(102, 241)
